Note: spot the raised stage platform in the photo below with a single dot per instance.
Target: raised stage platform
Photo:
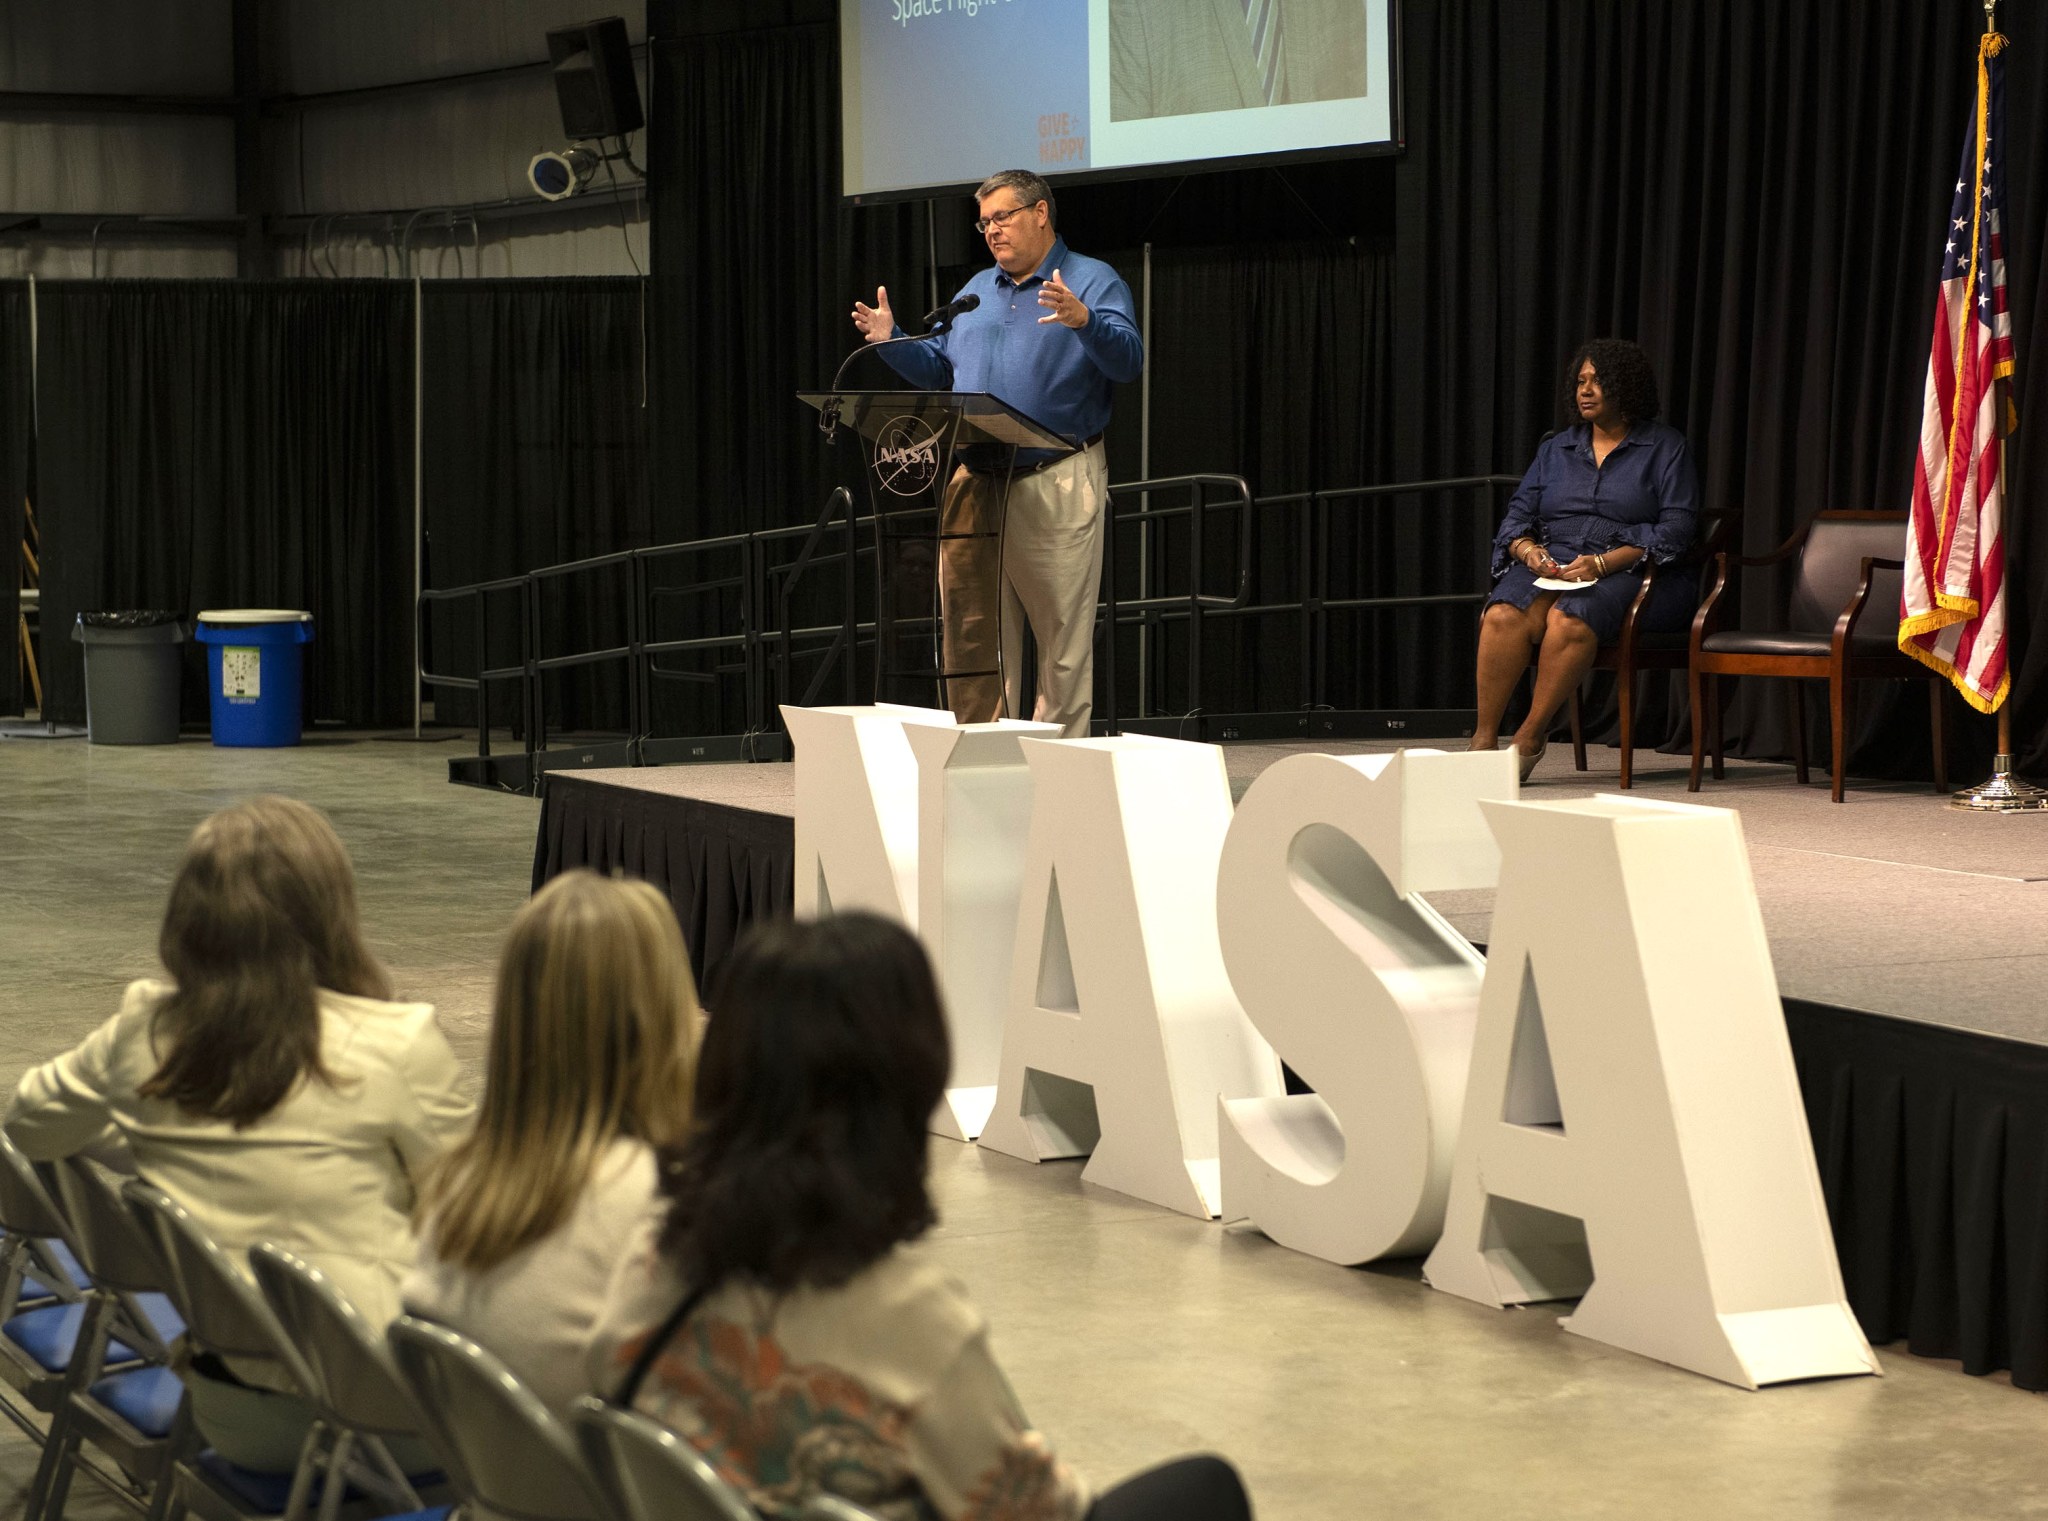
(1911, 945)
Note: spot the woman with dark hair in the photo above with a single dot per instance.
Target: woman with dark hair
(271, 1088)
(785, 1322)
(1604, 498)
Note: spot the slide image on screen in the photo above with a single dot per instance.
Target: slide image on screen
(938, 94)
(1183, 57)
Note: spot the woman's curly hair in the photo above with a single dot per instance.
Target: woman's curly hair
(1625, 376)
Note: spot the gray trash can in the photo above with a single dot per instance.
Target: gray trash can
(132, 671)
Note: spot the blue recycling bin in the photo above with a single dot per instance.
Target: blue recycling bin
(253, 673)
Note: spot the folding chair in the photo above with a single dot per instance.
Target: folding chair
(137, 1417)
(37, 1265)
(63, 1344)
(354, 1386)
(648, 1473)
(501, 1446)
(225, 1315)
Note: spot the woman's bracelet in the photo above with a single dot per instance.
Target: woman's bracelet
(1600, 564)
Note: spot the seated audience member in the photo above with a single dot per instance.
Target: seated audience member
(271, 1088)
(783, 1319)
(592, 1041)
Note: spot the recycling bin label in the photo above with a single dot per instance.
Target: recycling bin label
(241, 672)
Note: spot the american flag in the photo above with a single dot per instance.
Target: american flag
(1952, 613)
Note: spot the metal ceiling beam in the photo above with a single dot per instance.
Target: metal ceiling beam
(78, 103)
(279, 105)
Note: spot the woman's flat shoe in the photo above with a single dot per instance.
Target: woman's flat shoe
(1530, 759)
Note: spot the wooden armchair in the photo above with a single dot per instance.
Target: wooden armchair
(1841, 625)
(1636, 651)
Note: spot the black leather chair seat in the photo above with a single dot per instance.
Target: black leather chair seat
(1783, 642)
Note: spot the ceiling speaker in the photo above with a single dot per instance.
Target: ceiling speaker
(594, 83)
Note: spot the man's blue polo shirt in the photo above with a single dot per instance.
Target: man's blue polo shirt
(1056, 375)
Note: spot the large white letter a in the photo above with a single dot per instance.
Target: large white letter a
(1633, 1116)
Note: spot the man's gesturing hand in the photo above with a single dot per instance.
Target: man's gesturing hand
(875, 322)
(1066, 307)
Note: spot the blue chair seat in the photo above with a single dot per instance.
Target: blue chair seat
(146, 1398)
(67, 1261)
(50, 1336)
(267, 1493)
(36, 1287)
(162, 1315)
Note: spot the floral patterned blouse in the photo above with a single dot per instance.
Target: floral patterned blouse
(882, 1391)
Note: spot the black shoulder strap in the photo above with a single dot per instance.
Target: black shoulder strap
(629, 1389)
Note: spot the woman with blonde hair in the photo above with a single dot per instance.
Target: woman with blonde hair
(593, 1035)
(271, 1087)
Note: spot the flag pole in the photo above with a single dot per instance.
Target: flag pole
(2004, 792)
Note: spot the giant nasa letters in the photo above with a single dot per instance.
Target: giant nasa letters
(1603, 1107)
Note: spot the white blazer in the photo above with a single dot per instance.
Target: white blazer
(328, 1174)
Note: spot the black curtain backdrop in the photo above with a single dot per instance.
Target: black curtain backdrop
(245, 444)
(756, 263)
(534, 453)
(1754, 193)
(17, 421)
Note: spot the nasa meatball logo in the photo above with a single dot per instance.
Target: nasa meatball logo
(907, 456)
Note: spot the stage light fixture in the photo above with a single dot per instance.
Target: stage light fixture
(558, 174)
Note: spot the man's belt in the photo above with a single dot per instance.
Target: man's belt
(1033, 469)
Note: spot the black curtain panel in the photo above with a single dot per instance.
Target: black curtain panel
(248, 444)
(17, 432)
(534, 454)
(757, 265)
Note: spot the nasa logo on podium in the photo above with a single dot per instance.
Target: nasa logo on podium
(907, 456)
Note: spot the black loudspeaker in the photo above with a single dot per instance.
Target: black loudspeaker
(594, 81)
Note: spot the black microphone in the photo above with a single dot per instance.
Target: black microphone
(941, 318)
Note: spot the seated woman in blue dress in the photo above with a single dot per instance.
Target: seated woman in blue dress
(1603, 498)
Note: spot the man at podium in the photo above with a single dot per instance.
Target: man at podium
(1051, 332)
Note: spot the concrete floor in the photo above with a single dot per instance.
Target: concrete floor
(1130, 1333)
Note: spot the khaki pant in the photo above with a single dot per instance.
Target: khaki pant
(1050, 573)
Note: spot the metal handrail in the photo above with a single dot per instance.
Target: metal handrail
(1194, 601)
(757, 579)
(842, 646)
(480, 683)
(629, 651)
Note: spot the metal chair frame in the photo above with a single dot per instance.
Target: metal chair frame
(444, 1372)
(122, 1262)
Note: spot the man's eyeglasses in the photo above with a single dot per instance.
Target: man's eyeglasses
(998, 218)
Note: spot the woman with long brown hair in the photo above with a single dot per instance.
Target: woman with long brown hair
(271, 1087)
(593, 1035)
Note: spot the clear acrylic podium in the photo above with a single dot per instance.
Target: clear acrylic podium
(915, 440)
